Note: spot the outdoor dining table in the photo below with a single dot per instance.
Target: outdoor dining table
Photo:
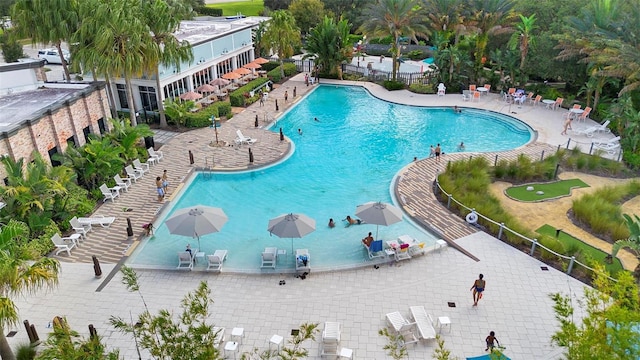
(548, 103)
(483, 90)
(576, 112)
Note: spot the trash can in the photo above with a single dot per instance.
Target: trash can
(149, 142)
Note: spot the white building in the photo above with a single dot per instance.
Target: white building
(219, 46)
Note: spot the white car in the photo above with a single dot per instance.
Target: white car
(51, 56)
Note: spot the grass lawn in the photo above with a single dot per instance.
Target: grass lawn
(551, 190)
(587, 250)
(248, 8)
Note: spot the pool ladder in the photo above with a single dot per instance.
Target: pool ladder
(208, 167)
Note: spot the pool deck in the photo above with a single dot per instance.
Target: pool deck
(515, 306)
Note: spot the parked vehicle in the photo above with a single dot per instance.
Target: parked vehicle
(51, 56)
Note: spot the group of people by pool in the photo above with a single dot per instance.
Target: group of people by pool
(349, 220)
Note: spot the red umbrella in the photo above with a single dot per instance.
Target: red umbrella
(190, 96)
(260, 61)
(231, 76)
(252, 65)
(205, 88)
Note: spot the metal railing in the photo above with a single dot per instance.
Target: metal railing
(534, 244)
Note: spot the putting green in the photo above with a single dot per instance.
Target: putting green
(550, 190)
(232, 8)
(587, 250)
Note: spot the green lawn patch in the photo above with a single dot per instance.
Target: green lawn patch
(248, 8)
(551, 190)
(588, 251)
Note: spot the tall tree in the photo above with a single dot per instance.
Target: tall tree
(118, 40)
(523, 38)
(257, 35)
(445, 17)
(490, 17)
(327, 44)
(163, 19)
(47, 22)
(308, 13)
(282, 35)
(395, 18)
(20, 273)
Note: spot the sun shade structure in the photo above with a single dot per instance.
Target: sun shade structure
(291, 226)
(242, 71)
(260, 61)
(190, 95)
(379, 213)
(252, 65)
(219, 82)
(231, 76)
(196, 221)
(205, 88)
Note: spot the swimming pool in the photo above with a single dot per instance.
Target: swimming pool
(347, 158)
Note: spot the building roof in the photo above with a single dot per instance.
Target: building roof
(21, 108)
(205, 28)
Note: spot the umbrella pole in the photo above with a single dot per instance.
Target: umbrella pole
(377, 226)
(199, 249)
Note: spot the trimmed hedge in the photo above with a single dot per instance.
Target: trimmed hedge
(393, 85)
(270, 66)
(203, 10)
(289, 70)
(202, 118)
(240, 96)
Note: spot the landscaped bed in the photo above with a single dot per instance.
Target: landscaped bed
(573, 245)
(549, 190)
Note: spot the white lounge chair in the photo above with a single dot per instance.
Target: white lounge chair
(64, 243)
(110, 193)
(79, 228)
(144, 167)
(241, 139)
(402, 326)
(124, 183)
(330, 339)
(303, 260)
(133, 173)
(402, 252)
(424, 322)
(104, 221)
(185, 261)
(214, 262)
(153, 154)
(218, 336)
(375, 250)
(607, 145)
(592, 130)
(415, 247)
(269, 257)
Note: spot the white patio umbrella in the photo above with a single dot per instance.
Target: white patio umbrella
(196, 221)
(291, 226)
(379, 213)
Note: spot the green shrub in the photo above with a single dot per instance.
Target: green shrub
(25, 351)
(422, 88)
(241, 96)
(203, 10)
(416, 55)
(393, 85)
(289, 70)
(631, 159)
(42, 245)
(270, 66)
(202, 118)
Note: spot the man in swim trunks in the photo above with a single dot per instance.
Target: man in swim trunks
(368, 240)
(351, 221)
(478, 288)
(438, 151)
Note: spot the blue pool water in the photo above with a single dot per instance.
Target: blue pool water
(347, 158)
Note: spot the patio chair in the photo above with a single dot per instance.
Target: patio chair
(472, 88)
(441, 89)
(218, 337)
(609, 146)
(124, 183)
(133, 173)
(330, 339)
(585, 114)
(79, 228)
(592, 130)
(109, 193)
(402, 327)
(185, 261)
(402, 253)
(157, 155)
(424, 322)
(241, 139)
(303, 260)
(143, 167)
(269, 257)
(375, 250)
(476, 96)
(104, 221)
(537, 100)
(466, 95)
(558, 103)
(214, 262)
(64, 243)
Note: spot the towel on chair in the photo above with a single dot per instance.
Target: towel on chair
(375, 246)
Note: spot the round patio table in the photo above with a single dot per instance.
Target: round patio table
(548, 103)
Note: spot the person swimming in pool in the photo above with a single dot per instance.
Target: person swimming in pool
(332, 224)
(351, 221)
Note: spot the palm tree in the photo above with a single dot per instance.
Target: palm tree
(48, 22)
(396, 18)
(282, 35)
(523, 38)
(163, 19)
(490, 17)
(444, 17)
(257, 35)
(120, 40)
(20, 273)
(327, 44)
(633, 241)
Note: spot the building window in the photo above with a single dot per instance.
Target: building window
(101, 126)
(224, 67)
(148, 97)
(51, 153)
(72, 140)
(175, 88)
(86, 131)
(201, 77)
(122, 96)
